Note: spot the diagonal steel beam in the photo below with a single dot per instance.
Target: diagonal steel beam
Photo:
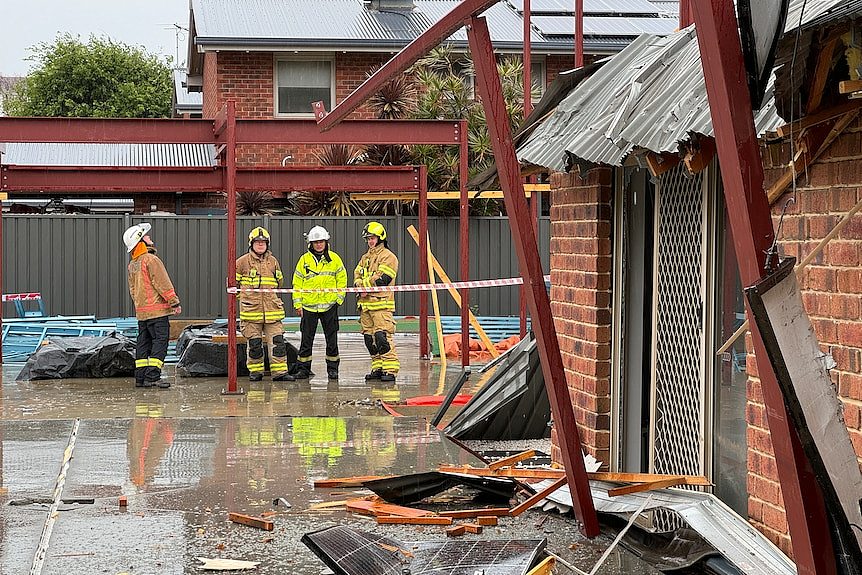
(439, 31)
(488, 84)
(751, 226)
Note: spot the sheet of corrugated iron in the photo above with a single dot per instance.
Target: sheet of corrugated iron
(66, 154)
(651, 95)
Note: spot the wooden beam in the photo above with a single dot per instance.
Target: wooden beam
(543, 568)
(487, 520)
(264, 524)
(518, 509)
(398, 520)
(699, 156)
(639, 487)
(474, 528)
(660, 163)
(529, 190)
(470, 513)
(437, 267)
(819, 117)
(357, 481)
(557, 473)
(512, 460)
(849, 86)
(821, 74)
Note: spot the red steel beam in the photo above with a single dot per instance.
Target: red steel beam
(752, 232)
(520, 220)
(69, 179)
(579, 33)
(230, 186)
(442, 29)
(464, 244)
(424, 347)
(98, 130)
(103, 130)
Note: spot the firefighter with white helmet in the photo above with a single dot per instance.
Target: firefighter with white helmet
(318, 268)
(261, 313)
(378, 267)
(155, 299)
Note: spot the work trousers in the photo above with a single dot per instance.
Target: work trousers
(258, 334)
(308, 328)
(378, 326)
(152, 347)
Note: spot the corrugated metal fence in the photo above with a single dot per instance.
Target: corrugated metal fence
(79, 262)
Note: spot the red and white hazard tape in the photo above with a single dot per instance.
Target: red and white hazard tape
(397, 288)
(21, 296)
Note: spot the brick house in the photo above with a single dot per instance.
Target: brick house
(275, 57)
(645, 287)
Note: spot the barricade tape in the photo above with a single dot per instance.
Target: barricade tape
(21, 296)
(397, 288)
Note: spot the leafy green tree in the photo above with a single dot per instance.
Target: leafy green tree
(100, 78)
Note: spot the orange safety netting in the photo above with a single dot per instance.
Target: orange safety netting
(452, 345)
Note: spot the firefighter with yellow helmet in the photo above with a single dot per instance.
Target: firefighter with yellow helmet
(261, 313)
(378, 267)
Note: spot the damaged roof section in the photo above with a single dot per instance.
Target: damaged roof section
(651, 95)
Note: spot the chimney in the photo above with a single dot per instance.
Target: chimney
(390, 5)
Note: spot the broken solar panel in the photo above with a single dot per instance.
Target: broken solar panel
(406, 489)
(347, 551)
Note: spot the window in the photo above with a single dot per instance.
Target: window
(299, 82)
(537, 78)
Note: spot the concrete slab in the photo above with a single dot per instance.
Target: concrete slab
(187, 456)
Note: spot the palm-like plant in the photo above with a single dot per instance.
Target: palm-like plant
(319, 204)
(253, 203)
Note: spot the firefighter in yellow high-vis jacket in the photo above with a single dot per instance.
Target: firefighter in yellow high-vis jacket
(378, 267)
(261, 313)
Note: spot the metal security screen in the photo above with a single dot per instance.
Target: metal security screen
(677, 435)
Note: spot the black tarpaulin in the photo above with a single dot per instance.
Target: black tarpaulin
(87, 356)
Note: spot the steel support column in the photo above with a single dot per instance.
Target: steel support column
(424, 347)
(579, 33)
(752, 231)
(464, 241)
(230, 190)
(530, 264)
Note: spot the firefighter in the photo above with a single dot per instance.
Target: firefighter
(261, 313)
(155, 299)
(318, 268)
(378, 267)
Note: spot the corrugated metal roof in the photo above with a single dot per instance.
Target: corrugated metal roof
(120, 155)
(651, 95)
(604, 26)
(815, 9)
(186, 101)
(343, 23)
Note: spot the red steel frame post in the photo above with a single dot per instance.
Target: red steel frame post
(424, 347)
(230, 190)
(752, 231)
(464, 227)
(488, 84)
(579, 33)
(685, 15)
(528, 105)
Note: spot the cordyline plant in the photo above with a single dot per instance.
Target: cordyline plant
(329, 203)
(253, 203)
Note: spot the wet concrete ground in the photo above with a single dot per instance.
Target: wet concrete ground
(186, 456)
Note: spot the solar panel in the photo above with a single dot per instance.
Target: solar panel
(590, 6)
(347, 551)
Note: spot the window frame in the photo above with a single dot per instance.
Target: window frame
(303, 57)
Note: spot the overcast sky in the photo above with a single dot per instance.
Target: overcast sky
(24, 23)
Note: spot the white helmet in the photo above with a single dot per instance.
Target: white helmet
(133, 235)
(316, 234)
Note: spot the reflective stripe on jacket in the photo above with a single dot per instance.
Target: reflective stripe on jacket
(253, 271)
(376, 262)
(318, 273)
(150, 287)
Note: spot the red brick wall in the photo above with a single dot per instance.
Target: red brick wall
(581, 257)
(832, 293)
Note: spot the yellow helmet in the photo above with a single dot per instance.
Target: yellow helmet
(374, 229)
(258, 233)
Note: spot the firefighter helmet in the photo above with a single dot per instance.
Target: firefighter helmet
(374, 229)
(316, 234)
(133, 235)
(258, 233)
